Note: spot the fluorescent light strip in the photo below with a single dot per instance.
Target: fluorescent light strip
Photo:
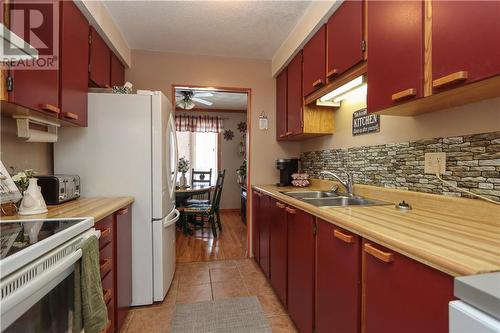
(343, 89)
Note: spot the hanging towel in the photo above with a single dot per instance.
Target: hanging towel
(90, 312)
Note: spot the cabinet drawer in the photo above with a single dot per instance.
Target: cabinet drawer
(106, 259)
(106, 227)
(111, 311)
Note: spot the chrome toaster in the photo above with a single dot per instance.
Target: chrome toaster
(57, 189)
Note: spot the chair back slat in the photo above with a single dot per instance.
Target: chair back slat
(218, 191)
(201, 178)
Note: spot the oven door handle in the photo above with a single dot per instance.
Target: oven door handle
(39, 283)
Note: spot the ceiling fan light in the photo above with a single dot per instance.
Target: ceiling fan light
(188, 105)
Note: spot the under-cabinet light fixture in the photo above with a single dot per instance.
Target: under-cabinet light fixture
(347, 90)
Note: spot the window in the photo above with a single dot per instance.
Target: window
(200, 149)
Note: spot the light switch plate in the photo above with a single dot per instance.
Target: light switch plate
(435, 162)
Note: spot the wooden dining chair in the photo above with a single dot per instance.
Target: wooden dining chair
(210, 212)
(201, 178)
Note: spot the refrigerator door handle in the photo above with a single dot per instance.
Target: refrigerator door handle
(169, 221)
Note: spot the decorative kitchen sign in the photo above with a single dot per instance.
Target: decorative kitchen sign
(364, 123)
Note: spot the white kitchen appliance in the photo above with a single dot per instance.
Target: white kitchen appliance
(37, 262)
(130, 149)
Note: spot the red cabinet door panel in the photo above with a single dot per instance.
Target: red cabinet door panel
(255, 223)
(403, 295)
(36, 89)
(301, 246)
(99, 60)
(74, 74)
(465, 37)
(264, 234)
(338, 280)
(314, 53)
(281, 101)
(278, 249)
(117, 71)
(395, 34)
(123, 264)
(294, 95)
(344, 37)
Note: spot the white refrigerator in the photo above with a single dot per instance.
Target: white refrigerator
(130, 149)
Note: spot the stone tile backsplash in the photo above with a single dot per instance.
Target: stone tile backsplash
(472, 163)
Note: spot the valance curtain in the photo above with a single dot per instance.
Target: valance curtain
(202, 123)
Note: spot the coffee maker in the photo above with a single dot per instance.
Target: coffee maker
(287, 167)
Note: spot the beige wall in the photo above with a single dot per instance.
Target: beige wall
(230, 159)
(473, 118)
(23, 155)
(158, 71)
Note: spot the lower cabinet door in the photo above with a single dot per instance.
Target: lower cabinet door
(255, 223)
(278, 249)
(338, 279)
(123, 264)
(264, 234)
(403, 295)
(301, 246)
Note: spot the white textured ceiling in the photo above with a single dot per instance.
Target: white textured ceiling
(221, 100)
(247, 29)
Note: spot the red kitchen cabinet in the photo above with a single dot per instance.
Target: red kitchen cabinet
(123, 264)
(74, 75)
(395, 41)
(344, 38)
(294, 96)
(401, 294)
(281, 104)
(278, 249)
(100, 61)
(117, 73)
(465, 42)
(338, 280)
(314, 54)
(36, 89)
(264, 233)
(255, 223)
(300, 298)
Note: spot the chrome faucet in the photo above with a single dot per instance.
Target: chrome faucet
(347, 184)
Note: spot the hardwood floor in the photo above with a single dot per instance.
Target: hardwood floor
(201, 246)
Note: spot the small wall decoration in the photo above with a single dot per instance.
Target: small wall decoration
(228, 135)
(364, 123)
(263, 122)
(242, 126)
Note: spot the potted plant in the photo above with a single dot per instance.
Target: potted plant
(242, 173)
(183, 167)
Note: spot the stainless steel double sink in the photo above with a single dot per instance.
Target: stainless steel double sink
(332, 199)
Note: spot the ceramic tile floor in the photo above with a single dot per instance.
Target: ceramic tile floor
(212, 280)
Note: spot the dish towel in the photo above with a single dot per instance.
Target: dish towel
(90, 312)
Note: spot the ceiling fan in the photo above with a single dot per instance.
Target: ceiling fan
(185, 98)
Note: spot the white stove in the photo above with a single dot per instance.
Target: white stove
(37, 259)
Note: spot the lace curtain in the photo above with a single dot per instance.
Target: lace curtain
(185, 123)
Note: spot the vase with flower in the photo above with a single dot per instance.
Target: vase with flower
(183, 167)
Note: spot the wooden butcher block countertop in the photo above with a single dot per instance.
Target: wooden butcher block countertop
(98, 208)
(454, 235)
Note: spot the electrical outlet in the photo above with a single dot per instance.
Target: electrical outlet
(435, 162)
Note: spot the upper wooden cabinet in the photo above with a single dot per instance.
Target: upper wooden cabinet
(395, 42)
(401, 294)
(301, 268)
(100, 60)
(465, 42)
(117, 73)
(73, 71)
(345, 45)
(314, 62)
(338, 279)
(34, 89)
(294, 96)
(281, 104)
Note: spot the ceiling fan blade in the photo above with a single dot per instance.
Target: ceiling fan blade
(202, 101)
(203, 94)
